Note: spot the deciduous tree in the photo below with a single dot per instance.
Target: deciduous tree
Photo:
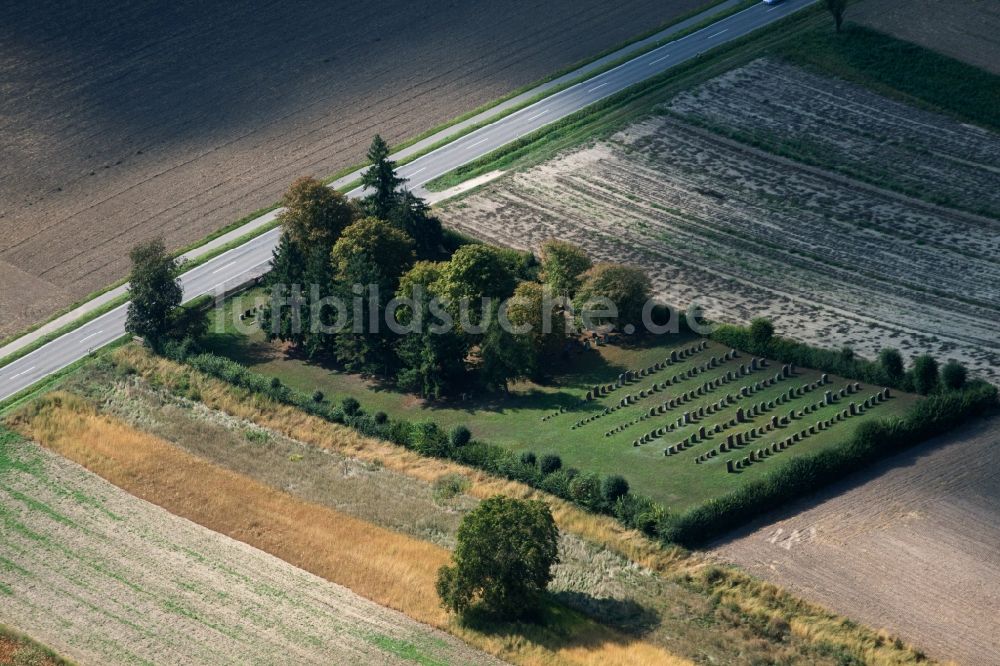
(315, 215)
(533, 307)
(367, 262)
(154, 291)
(627, 287)
(503, 559)
(562, 265)
(432, 354)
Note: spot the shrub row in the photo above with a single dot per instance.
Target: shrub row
(922, 378)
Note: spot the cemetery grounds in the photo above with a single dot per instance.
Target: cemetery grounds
(683, 400)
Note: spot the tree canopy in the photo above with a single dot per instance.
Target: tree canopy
(315, 214)
(381, 179)
(154, 291)
(562, 265)
(503, 559)
(627, 287)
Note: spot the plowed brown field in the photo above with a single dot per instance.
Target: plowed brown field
(968, 30)
(911, 544)
(121, 121)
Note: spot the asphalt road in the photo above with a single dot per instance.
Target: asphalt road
(252, 258)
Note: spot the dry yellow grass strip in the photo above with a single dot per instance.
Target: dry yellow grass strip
(392, 569)
(751, 597)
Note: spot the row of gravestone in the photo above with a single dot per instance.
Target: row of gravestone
(853, 409)
(632, 398)
(738, 440)
(601, 390)
(742, 415)
(687, 418)
(687, 396)
(792, 393)
(598, 391)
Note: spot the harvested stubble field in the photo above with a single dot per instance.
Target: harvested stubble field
(107, 578)
(128, 120)
(967, 30)
(911, 544)
(392, 569)
(857, 132)
(666, 598)
(832, 260)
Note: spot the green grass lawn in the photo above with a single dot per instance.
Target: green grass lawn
(516, 421)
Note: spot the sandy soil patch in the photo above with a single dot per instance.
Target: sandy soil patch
(966, 30)
(831, 260)
(130, 120)
(911, 544)
(106, 578)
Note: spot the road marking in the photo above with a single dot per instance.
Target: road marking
(538, 115)
(596, 87)
(716, 34)
(659, 59)
(23, 373)
(222, 268)
(82, 340)
(768, 11)
(416, 172)
(473, 145)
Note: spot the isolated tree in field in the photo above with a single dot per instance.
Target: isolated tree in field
(892, 363)
(925, 374)
(154, 291)
(562, 265)
(382, 180)
(503, 559)
(837, 9)
(315, 214)
(761, 332)
(953, 375)
(626, 287)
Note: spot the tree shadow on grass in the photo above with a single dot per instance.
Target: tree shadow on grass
(240, 348)
(555, 626)
(625, 615)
